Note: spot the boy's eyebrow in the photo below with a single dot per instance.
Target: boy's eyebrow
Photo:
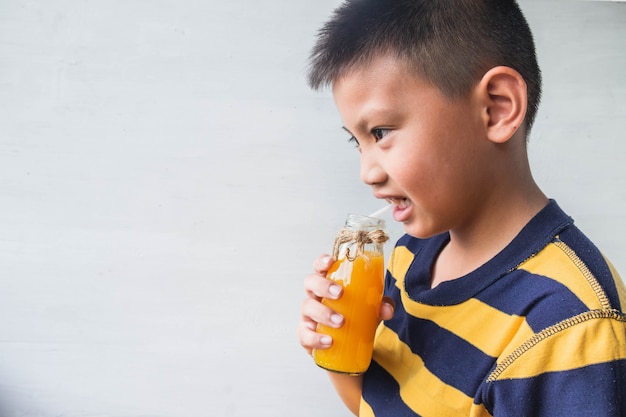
(378, 113)
(361, 127)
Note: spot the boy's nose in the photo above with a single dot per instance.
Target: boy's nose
(371, 172)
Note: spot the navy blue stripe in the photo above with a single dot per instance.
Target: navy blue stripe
(437, 346)
(558, 394)
(534, 297)
(382, 393)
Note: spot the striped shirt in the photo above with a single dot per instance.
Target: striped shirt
(539, 330)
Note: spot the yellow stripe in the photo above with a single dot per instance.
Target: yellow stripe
(560, 263)
(621, 289)
(472, 320)
(422, 391)
(399, 261)
(591, 338)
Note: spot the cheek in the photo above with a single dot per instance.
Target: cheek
(430, 180)
(415, 173)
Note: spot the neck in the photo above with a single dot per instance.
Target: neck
(509, 205)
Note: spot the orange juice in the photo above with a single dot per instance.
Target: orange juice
(362, 281)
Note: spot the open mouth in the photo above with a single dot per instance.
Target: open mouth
(401, 209)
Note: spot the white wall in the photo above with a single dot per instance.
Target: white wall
(167, 178)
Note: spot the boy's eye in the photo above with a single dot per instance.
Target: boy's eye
(354, 140)
(379, 133)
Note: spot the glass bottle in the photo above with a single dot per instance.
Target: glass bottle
(359, 269)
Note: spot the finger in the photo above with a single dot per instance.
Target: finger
(310, 339)
(316, 286)
(387, 308)
(322, 264)
(317, 312)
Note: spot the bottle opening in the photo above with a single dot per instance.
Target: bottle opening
(360, 222)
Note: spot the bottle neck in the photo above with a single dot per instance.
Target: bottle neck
(358, 222)
(360, 235)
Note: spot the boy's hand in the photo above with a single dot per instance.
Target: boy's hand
(313, 311)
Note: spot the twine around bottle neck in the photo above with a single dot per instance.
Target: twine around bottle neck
(359, 238)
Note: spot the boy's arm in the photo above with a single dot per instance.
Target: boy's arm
(349, 389)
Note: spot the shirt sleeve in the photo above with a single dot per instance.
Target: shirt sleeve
(575, 368)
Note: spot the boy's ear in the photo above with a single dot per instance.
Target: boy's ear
(503, 93)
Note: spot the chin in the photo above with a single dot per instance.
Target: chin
(419, 231)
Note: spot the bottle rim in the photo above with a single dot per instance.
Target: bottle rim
(359, 221)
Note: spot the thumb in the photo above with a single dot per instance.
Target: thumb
(387, 308)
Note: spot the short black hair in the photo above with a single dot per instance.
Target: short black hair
(450, 43)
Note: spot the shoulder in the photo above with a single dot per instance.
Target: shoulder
(559, 369)
(572, 301)
(574, 263)
(590, 338)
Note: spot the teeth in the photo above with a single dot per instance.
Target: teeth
(399, 202)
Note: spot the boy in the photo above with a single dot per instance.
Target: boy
(497, 305)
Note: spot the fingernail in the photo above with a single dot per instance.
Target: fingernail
(326, 259)
(326, 340)
(336, 318)
(334, 290)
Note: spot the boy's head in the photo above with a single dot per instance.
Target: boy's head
(448, 43)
